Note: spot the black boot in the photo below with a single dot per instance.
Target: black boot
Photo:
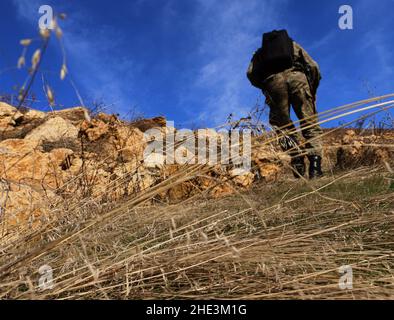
(315, 167)
(298, 165)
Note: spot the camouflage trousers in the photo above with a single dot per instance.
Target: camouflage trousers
(291, 88)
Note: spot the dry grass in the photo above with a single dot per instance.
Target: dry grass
(285, 240)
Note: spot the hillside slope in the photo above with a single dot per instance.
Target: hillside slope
(107, 225)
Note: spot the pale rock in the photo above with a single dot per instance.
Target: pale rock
(53, 130)
(242, 177)
(32, 115)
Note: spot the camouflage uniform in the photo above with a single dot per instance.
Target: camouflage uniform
(291, 87)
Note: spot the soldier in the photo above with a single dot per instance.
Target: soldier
(288, 76)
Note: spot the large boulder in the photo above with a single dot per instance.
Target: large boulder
(23, 161)
(54, 130)
(33, 115)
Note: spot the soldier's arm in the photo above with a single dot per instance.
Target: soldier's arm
(312, 63)
(298, 50)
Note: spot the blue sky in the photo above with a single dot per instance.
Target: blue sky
(186, 59)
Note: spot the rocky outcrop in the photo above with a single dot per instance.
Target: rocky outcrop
(66, 156)
(362, 150)
(103, 160)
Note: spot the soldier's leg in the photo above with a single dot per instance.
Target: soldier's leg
(277, 98)
(277, 93)
(304, 106)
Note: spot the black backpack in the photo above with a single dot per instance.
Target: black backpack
(275, 55)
